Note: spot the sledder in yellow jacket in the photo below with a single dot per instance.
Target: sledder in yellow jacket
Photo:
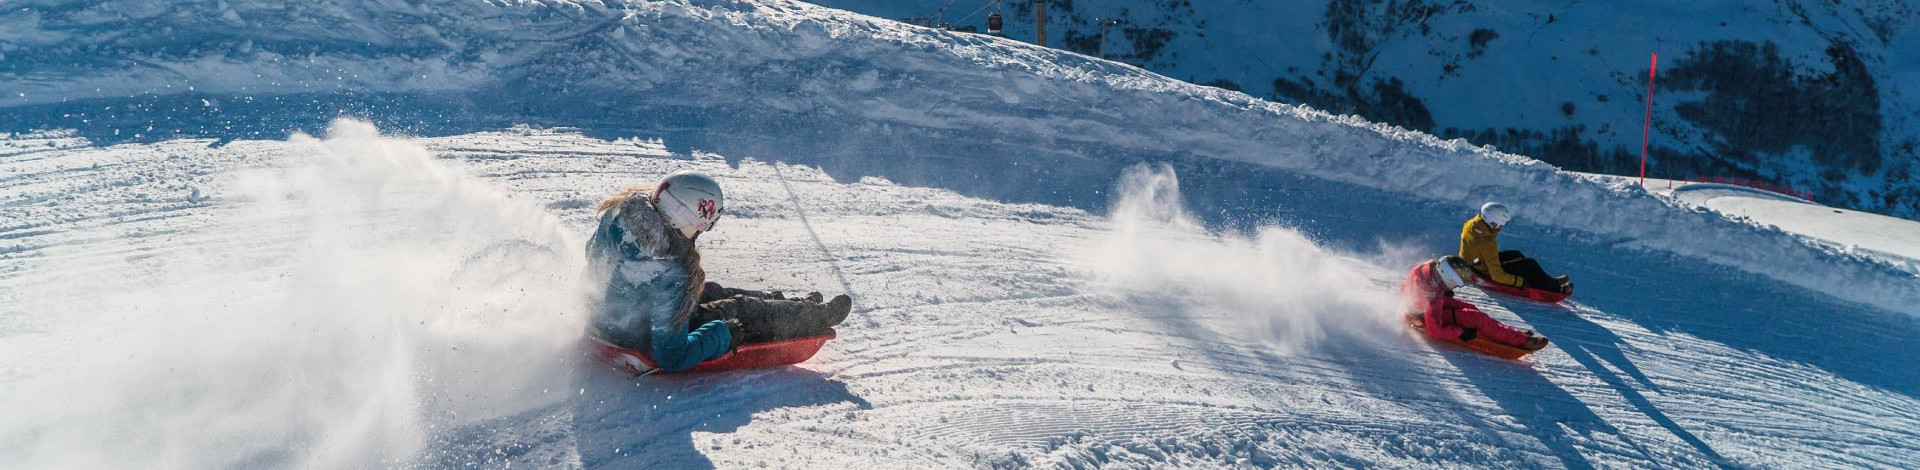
(1479, 241)
(1480, 245)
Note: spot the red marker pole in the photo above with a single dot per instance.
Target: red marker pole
(1647, 133)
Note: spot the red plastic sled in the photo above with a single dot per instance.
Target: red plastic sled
(1532, 294)
(1477, 344)
(750, 356)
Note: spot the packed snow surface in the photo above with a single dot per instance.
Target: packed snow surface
(1888, 239)
(1892, 239)
(1056, 261)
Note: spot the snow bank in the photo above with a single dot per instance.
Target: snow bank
(1279, 286)
(773, 79)
(1857, 233)
(413, 298)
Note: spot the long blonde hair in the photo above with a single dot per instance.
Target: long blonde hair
(621, 197)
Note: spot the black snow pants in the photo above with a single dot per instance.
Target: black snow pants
(1529, 270)
(769, 316)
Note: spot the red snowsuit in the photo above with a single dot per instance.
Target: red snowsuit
(1448, 318)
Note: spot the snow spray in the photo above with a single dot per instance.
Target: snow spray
(1275, 285)
(397, 298)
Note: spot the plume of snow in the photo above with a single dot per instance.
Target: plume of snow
(1281, 288)
(405, 297)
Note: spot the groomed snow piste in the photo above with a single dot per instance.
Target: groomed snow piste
(1056, 261)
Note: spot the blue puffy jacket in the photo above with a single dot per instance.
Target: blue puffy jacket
(653, 280)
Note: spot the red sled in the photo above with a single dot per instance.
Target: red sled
(1477, 344)
(749, 356)
(1547, 296)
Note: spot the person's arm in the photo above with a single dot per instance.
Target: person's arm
(1436, 321)
(1477, 242)
(666, 284)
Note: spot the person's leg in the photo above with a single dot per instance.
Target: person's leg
(714, 291)
(705, 312)
(1530, 270)
(1489, 328)
(1511, 255)
(774, 320)
(1480, 265)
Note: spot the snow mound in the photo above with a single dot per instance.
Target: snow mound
(1856, 233)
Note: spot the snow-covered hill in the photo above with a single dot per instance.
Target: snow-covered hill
(188, 283)
(1883, 237)
(1875, 235)
(1811, 94)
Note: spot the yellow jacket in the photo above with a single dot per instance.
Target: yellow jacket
(1480, 241)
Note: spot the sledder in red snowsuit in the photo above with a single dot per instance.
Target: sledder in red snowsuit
(1431, 286)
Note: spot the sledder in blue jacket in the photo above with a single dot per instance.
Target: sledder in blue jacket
(653, 280)
(643, 252)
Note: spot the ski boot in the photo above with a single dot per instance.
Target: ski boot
(1534, 343)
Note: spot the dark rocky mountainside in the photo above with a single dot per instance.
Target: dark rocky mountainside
(1812, 95)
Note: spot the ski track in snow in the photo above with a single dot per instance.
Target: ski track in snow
(985, 334)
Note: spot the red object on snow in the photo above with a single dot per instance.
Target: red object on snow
(1478, 344)
(1426, 298)
(749, 356)
(1531, 294)
(1646, 135)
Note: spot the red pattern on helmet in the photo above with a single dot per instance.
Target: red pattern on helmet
(708, 209)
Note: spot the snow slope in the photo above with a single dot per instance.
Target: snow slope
(184, 293)
(362, 303)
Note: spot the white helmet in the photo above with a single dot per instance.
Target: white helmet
(691, 201)
(1452, 271)
(1496, 215)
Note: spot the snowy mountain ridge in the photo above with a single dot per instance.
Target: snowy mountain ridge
(1810, 94)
